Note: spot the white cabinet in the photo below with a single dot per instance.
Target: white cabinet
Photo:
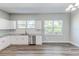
(19, 40)
(4, 24)
(38, 40)
(12, 24)
(4, 42)
(13, 39)
(38, 24)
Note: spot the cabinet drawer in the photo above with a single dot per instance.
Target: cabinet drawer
(19, 39)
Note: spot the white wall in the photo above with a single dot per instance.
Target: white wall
(4, 20)
(4, 15)
(4, 24)
(75, 28)
(42, 17)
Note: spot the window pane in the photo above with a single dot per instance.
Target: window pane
(48, 29)
(58, 25)
(48, 24)
(57, 29)
(30, 24)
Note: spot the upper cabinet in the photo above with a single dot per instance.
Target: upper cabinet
(12, 24)
(28, 24)
(38, 24)
(21, 23)
(4, 24)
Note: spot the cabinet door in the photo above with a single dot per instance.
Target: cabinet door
(13, 39)
(38, 24)
(38, 40)
(7, 40)
(20, 40)
(25, 39)
(12, 24)
(4, 42)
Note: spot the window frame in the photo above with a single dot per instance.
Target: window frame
(59, 27)
(53, 33)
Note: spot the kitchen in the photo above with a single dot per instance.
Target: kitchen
(36, 27)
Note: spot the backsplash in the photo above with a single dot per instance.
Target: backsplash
(4, 32)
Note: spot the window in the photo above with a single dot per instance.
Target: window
(25, 24)
(48, 25)
(58, 25)
(53, 26)
(21, 24)
(30, 24)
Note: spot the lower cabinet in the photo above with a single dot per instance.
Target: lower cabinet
(4, 42)
(24, 40)
(19, 40)
(35, 40)
(38, 40)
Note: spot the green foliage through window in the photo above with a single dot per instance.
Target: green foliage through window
(53, 25)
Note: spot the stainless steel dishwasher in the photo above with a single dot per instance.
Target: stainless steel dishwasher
(32, 40)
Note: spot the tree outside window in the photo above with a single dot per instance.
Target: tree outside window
(53, 26)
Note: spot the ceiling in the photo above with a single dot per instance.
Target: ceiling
(34, 7)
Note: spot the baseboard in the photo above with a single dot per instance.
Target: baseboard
(18, 44)
(56, 42)
(75, 44)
